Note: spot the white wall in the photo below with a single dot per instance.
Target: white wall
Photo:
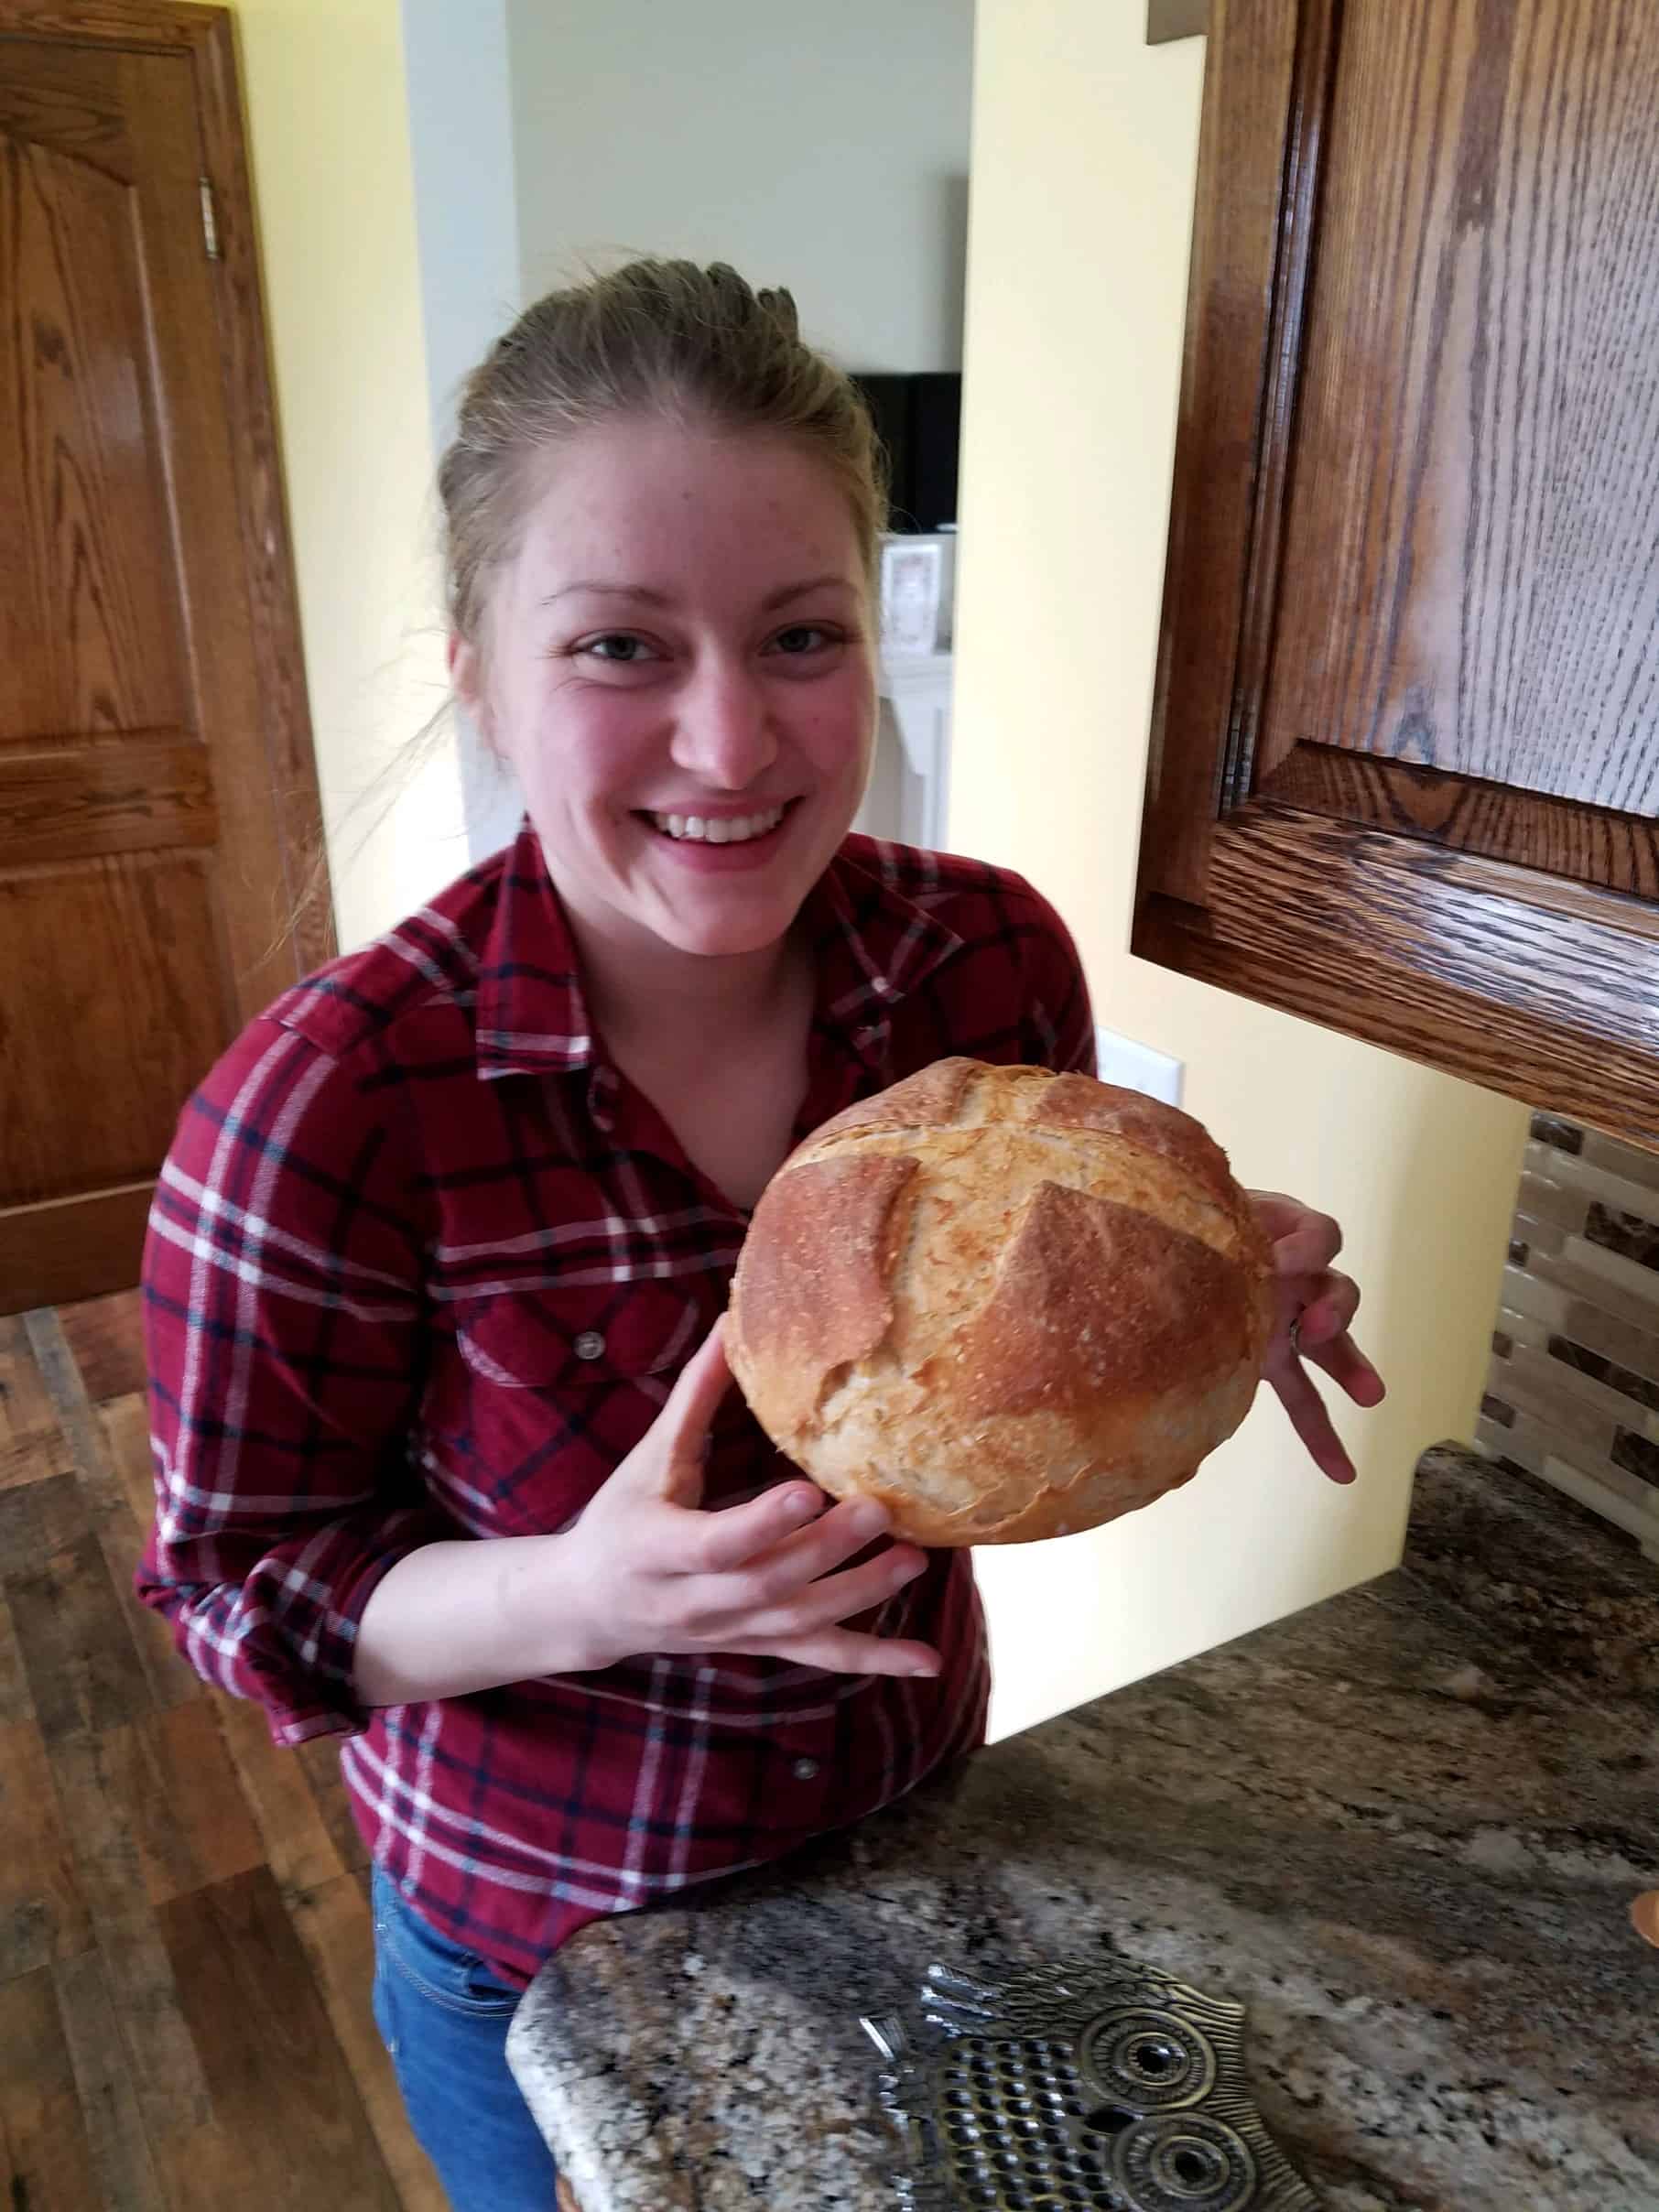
(1085, 151)
(460, 135)
(822, 148)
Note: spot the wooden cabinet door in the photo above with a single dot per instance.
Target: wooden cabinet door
(157, 789)
(1406, 765)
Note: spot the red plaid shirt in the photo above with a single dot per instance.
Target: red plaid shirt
(422, 1264)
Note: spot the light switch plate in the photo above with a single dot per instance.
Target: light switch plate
(1138, 1067)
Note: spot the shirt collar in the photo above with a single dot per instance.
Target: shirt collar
(872, 945)
(531, 1010)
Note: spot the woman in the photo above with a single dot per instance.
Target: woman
(437, 1263)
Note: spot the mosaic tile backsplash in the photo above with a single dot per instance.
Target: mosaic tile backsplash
(1573, 1393)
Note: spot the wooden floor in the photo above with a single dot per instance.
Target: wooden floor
(185, 1948)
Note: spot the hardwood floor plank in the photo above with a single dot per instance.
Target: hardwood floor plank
(197, 1828)
(123, 1521)
(106, 1486)
(120, 2150)
(16, 1704)
(167, 2067)
(321, 1759)
(23, 1402)
(298, 1844)
(125, 1423)
(277, 2077)
(106, 1337)
(155, 1809)
(43, 1915)
(93, 1772)
(114, 1860)
(203, 2170)
(83, 1664)
(45, 2159)
(31, 1455)
(333, 1925)
(171, 1680)
(76, 1415)
(38, 1519)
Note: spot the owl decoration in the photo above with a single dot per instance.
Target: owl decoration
(1097, 2087)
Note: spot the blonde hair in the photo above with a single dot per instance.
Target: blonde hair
(653, 337)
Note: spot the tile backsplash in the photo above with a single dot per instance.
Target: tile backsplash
(1573, 1392)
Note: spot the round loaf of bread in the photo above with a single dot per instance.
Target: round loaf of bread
(1008, 1304)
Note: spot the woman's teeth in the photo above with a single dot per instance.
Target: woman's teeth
(728, 829)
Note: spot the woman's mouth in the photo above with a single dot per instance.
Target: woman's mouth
(720, 829)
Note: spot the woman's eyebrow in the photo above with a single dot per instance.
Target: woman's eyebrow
(781, 597)
(604, 589)
(786, 592)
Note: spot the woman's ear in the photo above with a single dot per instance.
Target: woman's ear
(466, 677)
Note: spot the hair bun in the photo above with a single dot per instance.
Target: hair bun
(779, 303)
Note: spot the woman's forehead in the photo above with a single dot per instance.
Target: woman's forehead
(658, 492)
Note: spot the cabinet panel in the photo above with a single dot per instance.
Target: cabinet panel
(1411, 638)
(1470, 570)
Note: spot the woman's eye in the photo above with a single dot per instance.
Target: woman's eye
(802, 637)
(618, 645)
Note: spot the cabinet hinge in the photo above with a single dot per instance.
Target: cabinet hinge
(210, 221)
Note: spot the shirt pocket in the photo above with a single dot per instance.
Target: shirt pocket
(575, 1340)
(550, 1392)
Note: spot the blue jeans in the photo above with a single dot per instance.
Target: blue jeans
(443, 2014)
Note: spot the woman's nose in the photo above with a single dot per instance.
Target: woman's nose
(723, 732)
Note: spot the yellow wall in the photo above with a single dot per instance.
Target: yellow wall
(1084, 161)
(323, 87)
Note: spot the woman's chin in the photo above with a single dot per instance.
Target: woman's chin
(730, 936)
(728, 914)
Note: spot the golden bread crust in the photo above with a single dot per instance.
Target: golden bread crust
(1009, 1303)
(819, 1265)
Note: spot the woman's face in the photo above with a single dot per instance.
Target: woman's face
(679, 667)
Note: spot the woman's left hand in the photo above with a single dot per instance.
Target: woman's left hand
(1316, 1308)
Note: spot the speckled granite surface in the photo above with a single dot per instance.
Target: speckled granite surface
(1404, 1828)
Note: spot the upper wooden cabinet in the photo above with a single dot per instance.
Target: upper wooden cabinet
(1405, 774)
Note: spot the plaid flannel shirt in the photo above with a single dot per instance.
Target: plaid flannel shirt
(421, 1265)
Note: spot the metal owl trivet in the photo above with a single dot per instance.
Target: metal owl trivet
(1099, 2086)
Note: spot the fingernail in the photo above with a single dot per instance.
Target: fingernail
(802, 1504)
(866, 1517)
(922, 1671)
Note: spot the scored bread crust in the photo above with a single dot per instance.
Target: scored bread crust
(1009, 1303)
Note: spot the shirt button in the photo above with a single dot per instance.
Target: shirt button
(589, 1345)
(806, 1770)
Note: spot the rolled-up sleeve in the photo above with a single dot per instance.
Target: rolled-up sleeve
(284, 1334)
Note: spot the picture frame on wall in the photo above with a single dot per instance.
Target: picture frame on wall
(916, 593)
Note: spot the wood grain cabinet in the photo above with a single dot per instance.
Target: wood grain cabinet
(1404, 777)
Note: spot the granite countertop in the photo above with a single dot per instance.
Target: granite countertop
(1404, 1828)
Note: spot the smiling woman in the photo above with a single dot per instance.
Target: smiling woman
(435, 1272)
(690, 685)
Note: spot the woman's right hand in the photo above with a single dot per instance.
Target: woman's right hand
(658, 1573)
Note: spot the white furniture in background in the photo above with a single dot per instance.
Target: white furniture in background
(907, 792)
